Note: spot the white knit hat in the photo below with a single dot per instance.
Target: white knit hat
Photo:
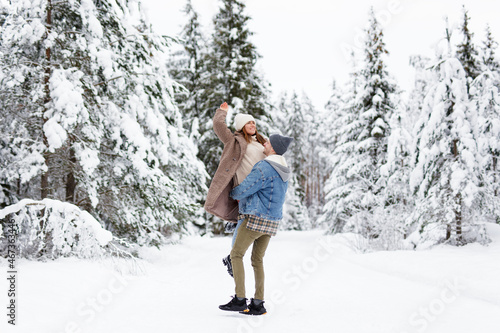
(241, 120)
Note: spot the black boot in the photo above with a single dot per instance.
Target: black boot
(255, 308)
(227, 262)
(235, 305)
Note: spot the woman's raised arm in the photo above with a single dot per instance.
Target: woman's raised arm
(219, 124)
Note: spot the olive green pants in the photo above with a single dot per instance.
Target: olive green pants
(244, 239)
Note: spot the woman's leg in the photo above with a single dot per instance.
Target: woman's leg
(235, 233)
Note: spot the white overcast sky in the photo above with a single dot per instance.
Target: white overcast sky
(302, 41)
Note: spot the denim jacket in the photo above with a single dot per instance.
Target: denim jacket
(262, 193)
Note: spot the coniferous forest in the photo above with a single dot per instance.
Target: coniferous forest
(106, 139)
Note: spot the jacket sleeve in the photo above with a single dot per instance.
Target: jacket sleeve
(250, 185)
(220, 128)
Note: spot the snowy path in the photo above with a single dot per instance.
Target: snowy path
(314, 283)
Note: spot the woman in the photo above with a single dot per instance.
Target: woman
(242, 149)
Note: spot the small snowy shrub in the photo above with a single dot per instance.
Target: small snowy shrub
(433, 234)
(52, 229)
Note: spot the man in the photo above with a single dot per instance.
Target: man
(261, 196)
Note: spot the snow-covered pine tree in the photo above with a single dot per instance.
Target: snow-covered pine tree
(44, 110)
(486, 99)
(397, 197)
(355, 186)
(231, 75)
(345, 124)
(404, 141)
(334, 111)
(186, 68)
(445, 174)
(21, 159)
(326, 137)
(92, 76)
(234, 58)
(423, 78)
(295, 126)
(315, 163)
(289, 120)
(466, 51)
(490, 45)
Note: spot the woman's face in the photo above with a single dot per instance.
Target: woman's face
(250, 128)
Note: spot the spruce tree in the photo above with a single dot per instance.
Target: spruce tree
(445, 174)
(423, 78)
(21, 146)
(186, 68)
(289, 119)
(295, 126)
(340, 202)
(231, 76)
(466, 51)
(397, 200)
(315, 169)
(490, 45)
(355, 186)
(234, 58)
(327, 137)
(487, 102)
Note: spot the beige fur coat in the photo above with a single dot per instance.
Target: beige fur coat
(218, 201)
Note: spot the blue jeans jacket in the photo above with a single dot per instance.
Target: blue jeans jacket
(262, 193)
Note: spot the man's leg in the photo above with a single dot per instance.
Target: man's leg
(244, 239)
(258, 252)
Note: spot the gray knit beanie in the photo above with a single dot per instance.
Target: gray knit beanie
(280, 143)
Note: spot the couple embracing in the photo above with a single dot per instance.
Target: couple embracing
(248, 190)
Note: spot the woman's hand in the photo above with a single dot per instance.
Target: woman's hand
(224, 106)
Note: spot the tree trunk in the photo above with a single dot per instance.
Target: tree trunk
(458, 220)
(458, 204)
(495, 181)
(48, 71)
(70, 180)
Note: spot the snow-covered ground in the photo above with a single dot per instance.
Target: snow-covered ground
(315, 283)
